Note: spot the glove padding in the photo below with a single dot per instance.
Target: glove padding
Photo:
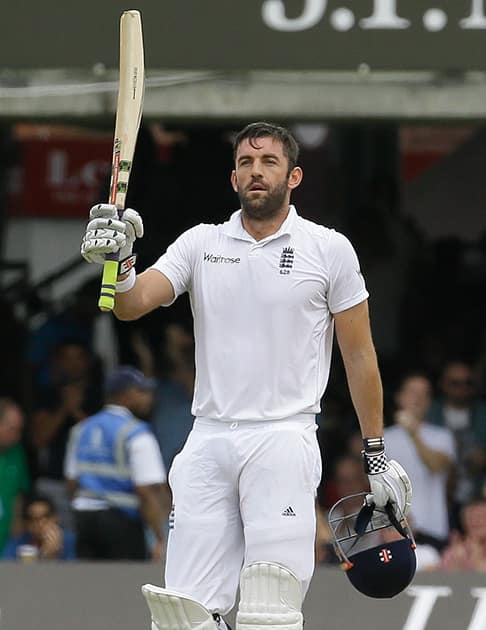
(391, 485)
(108, 234)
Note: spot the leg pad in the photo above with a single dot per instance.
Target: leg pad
(271, 599)
(175, 611)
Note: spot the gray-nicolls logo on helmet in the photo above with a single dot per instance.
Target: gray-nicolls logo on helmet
(375, 545)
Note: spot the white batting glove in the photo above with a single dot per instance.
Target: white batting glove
(108, 234)
(388, 480)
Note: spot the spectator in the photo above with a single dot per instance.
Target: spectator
(116, 474)
(42, 531)
(348, 479)
(468, 552)
(427, 452)
(461, 410)
(14, 474)
(75, 322)
(73, 395)
(172, 418)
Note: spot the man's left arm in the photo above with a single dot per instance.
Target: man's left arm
(359, 356)
(150, 497)
(388, 480)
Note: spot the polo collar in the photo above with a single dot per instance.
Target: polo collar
(234, 227)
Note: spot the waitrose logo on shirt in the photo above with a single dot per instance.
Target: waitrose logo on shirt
(218, 258)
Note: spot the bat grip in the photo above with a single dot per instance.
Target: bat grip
(106, 301)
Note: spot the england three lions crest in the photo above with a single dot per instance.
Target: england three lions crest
(286, 261)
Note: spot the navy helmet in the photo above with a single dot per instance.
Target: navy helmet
(125, 377)
(376, 546)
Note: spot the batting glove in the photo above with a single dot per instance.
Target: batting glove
(106, 233)
(388, 480)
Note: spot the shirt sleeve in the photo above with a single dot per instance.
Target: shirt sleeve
(346, 283)
(445, 443)
(145, 460)
(178, 261)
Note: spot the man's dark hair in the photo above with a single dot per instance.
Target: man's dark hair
(257, 130)
(37, 497)
(408, 376)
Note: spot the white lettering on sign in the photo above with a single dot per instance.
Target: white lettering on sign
(425, 598)
(56, 167)
(62, 175)
(273, 13)
(478, 619)
(384, 16)
(477, 19)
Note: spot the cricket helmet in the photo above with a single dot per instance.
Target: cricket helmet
(375, 545)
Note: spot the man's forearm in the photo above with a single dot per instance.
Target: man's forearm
(127, 303)
(150, 290)
(151, 508)
(435, 461)
(366, 391)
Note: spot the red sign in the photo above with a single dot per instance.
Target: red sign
(60, 175)
(423, 147)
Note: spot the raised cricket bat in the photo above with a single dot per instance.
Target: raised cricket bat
(127, 123)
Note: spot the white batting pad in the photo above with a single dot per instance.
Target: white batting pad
(175, 611)
(271, 598)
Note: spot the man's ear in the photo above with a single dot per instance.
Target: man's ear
(295, 177)
(233, 181)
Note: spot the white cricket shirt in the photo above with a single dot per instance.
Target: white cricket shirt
(428, 511)
(262, 311)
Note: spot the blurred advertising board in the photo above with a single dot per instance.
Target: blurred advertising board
(59, 170)
(101, 595)
(260, 34)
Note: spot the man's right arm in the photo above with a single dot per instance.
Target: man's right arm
(151, 290)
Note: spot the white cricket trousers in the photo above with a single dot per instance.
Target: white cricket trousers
(242, 492)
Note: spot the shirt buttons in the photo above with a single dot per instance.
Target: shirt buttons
(233, 425)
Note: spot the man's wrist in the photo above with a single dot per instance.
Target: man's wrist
(125, 284)
(374, 458)
(374, 444)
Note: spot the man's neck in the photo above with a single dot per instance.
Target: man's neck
(262, 228)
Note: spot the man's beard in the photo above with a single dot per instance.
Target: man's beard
(266, 205)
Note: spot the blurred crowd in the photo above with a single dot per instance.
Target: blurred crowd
(50, 490)
(427, 304)
(85, 449)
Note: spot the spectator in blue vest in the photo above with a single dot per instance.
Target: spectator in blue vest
(116, 474)
(42, 534)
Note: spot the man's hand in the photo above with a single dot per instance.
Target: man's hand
(51, 545)
(157, 551)
(108, 234)
(388, 482)
(407, 420)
